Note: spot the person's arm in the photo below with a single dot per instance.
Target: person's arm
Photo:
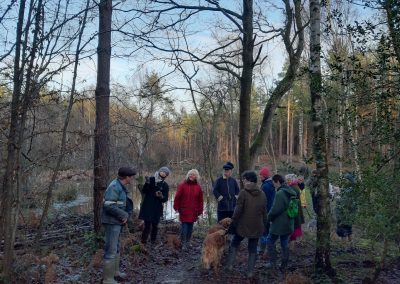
(164, 193)
(237, 190)
(277, 207)
(110, 205)
(178, 197)
(216, 190)
(200, 202)
(239, 208)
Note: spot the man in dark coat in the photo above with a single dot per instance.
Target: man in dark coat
(226, 190)
(155, 191)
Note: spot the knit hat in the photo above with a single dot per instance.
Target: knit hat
(250, 176)
(165, 170)
(291, 179)
(265, 172)
(126, 172)
(228, 166)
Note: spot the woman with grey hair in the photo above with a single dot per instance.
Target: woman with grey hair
(189, 204)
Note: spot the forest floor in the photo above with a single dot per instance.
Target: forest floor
(72, 258)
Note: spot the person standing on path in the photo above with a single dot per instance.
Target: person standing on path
(282, 225)
(226, 191)
(155, 191)
(117, 207)
(268, 188)
(188, 203)
(248, 221)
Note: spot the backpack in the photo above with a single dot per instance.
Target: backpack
(293, 207)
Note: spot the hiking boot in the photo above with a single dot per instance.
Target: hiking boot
(272, 257)
(285, 259)
(251, 262)
(231, 257)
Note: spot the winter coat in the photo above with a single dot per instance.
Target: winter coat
(300, 217)
(281, 224)
(268, 188)
(117, 206)
(250, 215)
(189, 201)
(228, 188)
(151, 208)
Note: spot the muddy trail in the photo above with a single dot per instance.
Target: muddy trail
(77, 261)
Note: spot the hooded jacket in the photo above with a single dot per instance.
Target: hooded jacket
(250, 215)
(281, 224)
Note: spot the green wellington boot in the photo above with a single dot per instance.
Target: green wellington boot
(109, 271)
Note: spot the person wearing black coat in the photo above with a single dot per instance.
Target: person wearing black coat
(155, 191)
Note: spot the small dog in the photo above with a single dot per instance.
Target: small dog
(221, 225)
(173, 241)
(213, 248)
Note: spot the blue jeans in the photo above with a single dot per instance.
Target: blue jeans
(251, 245)
(111, 247)
(271, 239)
(186, 231)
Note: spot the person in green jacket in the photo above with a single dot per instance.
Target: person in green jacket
(281, 225)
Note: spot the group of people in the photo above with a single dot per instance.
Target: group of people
(117, 208)
(258, 214)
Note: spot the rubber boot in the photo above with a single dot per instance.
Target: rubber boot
(118, 274)
(285, 259)
(272, 256)
(251, 262)
(109, 271)
(231, 257)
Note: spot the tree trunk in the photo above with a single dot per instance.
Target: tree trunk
(246, 82)
(102, 94)
(322, 255)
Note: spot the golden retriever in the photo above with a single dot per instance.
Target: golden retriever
(213, 247)
(221, 225)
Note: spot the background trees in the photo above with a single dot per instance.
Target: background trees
(193, 86)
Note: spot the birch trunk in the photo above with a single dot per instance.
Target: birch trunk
(322, 254)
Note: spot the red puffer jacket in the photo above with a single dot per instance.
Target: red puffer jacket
(189, 201)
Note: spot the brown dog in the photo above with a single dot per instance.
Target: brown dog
(221, 225)
(213, 247)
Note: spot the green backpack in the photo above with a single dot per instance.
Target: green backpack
(293, 207)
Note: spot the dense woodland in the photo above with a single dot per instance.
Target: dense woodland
(284, 83)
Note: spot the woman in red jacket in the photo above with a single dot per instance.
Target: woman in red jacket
(188, 203)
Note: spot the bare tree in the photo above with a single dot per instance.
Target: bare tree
(102, 93)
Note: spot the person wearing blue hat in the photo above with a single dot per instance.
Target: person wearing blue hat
(226, 191)
(155, 192)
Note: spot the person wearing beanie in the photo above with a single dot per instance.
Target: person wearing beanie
(155, 191)
(226, 190)
(294, 182)
(268, 188)
(117, 208)
(248, 221)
